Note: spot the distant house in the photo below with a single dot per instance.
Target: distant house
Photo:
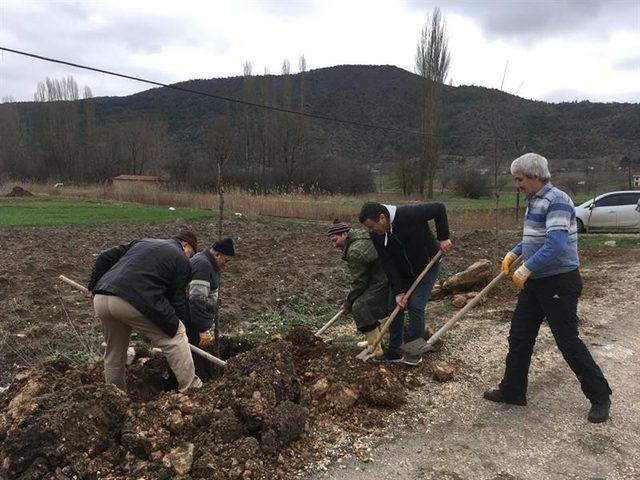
(127, 185)
(636, 180)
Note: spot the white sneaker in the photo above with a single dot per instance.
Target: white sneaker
(412, 360)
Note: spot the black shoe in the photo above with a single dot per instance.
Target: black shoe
(599, 411)
(497, 396)
(390, 357)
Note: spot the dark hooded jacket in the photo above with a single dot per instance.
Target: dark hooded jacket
(151, 274)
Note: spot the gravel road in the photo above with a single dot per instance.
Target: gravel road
(455, 434)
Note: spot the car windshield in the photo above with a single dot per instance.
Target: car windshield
(586, 204)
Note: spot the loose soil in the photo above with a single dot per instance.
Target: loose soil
(285, 407)
(19, 192)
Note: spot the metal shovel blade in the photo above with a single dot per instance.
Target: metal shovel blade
(416, 347)
(365, 354)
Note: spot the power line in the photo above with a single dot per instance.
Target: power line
(223, 98)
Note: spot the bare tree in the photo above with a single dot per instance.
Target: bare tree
(219, 144)
(432, 64)
(289, 130)
(57, 90)
(246, 68)
(58, 128)
(10, 140)
(142, 144)
(302, 64)
(286, 67)
(248, 113)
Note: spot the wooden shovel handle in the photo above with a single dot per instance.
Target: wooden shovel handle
(213, 359)
(397, 310)
(75, 285)
(330, 322)
(472, 303)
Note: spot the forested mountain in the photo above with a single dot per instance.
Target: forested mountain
(168, 131)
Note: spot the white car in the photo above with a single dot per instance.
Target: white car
(610, 211)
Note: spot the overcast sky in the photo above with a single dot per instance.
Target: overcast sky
(557, 50)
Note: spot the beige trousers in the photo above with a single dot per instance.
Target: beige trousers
(118, 317)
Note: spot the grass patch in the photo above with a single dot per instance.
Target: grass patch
(622, 240)
(23, 212)
(291, 312)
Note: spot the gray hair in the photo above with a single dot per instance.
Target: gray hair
(531, 165)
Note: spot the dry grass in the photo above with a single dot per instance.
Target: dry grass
(286, 205)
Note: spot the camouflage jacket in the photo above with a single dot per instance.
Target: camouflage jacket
(368, 279)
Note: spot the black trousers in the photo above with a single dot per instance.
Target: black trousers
(556, 299)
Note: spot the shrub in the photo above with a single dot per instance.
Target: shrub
(471, 184)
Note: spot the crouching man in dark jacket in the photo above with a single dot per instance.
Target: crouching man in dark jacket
(142, 285)
(203, 298)
(406, 245)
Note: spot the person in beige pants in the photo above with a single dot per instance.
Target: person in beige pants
(118, 318)
(142, 286)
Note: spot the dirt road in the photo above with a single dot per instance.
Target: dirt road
(454, 434)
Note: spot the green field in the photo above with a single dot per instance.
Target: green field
(622, 240)
(39, 211)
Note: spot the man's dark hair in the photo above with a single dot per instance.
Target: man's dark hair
(372, 211)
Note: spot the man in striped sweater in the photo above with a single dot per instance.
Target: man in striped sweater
(550, 282)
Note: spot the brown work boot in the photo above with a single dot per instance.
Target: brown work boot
(372, 336)
(429, 331)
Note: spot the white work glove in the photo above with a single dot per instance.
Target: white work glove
(520, 276)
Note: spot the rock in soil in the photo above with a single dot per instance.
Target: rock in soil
(459, 300)
(443, 372)
(476, 275)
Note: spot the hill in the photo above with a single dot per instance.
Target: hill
(381, 95)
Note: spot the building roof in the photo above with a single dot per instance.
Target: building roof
(137, 178)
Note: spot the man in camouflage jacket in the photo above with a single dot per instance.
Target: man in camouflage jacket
(367, 300)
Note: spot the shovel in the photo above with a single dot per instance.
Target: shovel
(329, 323)
(367, 353)
(202, 353)
(420, 345)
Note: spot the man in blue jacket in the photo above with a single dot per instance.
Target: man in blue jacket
(551, 284)
(406, 244)
(142, 285)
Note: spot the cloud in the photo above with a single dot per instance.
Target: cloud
(289, 10)
(570, 95)
(116, 37)
(532, 21)
(628, 63)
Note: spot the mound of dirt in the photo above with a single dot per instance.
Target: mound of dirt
(259, 420)
(19, 192)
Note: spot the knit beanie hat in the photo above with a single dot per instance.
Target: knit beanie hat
(189, 237)
(337, 227)
(225, 247)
